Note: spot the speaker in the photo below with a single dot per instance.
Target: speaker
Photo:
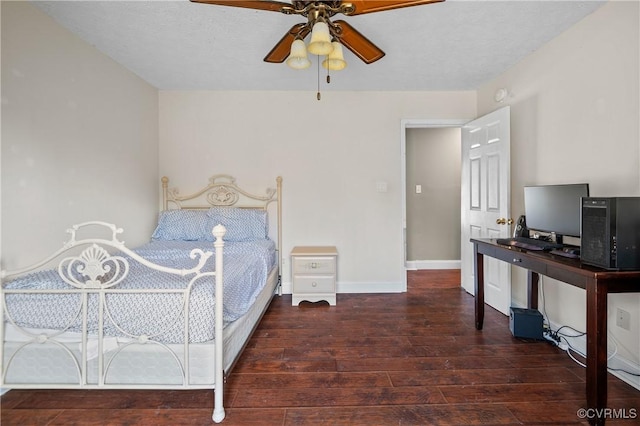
(521, 228)
(526, 323)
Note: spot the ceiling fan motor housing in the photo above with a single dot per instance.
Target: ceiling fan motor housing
(322, 11)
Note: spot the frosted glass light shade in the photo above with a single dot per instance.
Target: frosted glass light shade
(335, 61)
(320, 43)
(298, 56)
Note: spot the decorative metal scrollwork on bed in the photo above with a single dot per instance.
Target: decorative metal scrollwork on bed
(222, 196)
(84, 271)
(221, 191)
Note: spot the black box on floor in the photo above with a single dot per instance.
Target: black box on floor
(525, 323)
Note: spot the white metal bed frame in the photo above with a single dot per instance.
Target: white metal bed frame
(96, 259)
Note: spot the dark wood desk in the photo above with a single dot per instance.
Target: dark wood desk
(597, 282)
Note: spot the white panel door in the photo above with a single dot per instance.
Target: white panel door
(486, 201)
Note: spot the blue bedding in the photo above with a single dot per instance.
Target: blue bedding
(159, 316)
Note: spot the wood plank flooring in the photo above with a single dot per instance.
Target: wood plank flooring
(374, 359)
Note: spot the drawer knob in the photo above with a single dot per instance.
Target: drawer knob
(517, 260)
(314, 284)
(314, 265)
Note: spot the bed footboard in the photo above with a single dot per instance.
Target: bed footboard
(92, 279)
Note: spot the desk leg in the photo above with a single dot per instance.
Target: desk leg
(596, 347)
(532, 289)
(478, 274)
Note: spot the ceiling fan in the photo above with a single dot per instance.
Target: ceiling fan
(322, 11)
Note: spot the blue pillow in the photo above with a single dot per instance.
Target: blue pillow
(185, 225)
(241, 224)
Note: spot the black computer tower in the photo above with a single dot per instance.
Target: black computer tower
(610, 232)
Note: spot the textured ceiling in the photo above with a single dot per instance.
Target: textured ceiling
(179, 45)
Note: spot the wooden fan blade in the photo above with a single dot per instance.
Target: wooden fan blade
(281, 50)
(273, 6)
(361, 46)
(368, 6)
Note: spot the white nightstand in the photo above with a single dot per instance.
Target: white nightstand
(313, 274)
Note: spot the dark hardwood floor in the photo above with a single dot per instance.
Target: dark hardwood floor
(374, 359)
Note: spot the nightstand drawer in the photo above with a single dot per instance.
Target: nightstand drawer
(314, 284)
(314, 265)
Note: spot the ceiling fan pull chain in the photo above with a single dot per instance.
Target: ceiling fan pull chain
(318, 67)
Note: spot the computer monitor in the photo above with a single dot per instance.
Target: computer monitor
(555, 208)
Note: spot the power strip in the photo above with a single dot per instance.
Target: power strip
(553, 338)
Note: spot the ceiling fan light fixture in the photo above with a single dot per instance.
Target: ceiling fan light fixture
(298, 56)
(335, 60)
(320, 43)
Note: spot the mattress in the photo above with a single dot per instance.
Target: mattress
(129, 365)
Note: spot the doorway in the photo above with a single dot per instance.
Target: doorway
(413, 249)
(485, 177)
(433, 198)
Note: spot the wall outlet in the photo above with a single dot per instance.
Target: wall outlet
(623, 319)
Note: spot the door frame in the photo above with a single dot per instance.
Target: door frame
(414, 123)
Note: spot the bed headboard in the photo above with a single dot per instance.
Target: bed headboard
(222, 191)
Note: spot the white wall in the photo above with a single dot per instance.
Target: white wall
(79, 139)
(330, 153)
(575, 118)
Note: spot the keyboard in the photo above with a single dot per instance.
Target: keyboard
(568, 251)
(529, 243)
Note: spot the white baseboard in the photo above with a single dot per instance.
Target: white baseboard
(432, 264)
(624, 364)
(370, 287)
(359, 287)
